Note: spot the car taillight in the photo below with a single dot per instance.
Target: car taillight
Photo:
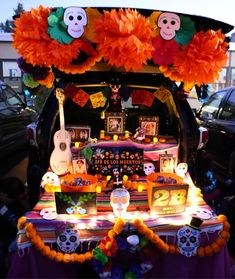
(204, 135)
(30, 134)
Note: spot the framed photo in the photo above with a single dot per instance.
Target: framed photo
(167, 163)
(115, 123)
(79, 133)
(149, 124)
(79, 165)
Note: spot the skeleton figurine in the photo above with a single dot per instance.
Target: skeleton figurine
(116, 179)
(168, 23)
(75, 18)
(149, 168)
(119, 200)
(188, 238)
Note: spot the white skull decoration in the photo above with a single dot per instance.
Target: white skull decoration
(120, 200)
(168, 23)
(188, 240)
(75, 18)
(181, 169)
(203, 213)
(149, 168)
(68, 240)
(48, 213)
(50, 178)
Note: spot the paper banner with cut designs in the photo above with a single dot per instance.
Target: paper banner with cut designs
(142, 97)
(162, 94)
(97, 100)
(78, 96)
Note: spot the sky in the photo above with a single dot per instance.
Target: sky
(217, 9)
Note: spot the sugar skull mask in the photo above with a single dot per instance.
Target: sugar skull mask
(68, 240)
(168, 23)
(181, 169)
(75, 18)
(120, 200)
(50, 178)
(149, 168)
(188, 240)
(48, 213)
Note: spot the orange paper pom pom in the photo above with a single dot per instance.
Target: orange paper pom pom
(124, 38)
(32, 41)
(203, 58)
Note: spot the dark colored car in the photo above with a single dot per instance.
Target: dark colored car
(218, 155)
(14, 117)
(176, 120)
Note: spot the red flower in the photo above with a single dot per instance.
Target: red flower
(164, 51)
(108, 246)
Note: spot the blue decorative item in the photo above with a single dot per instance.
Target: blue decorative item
(211, 181)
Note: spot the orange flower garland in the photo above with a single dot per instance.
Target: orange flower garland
(201, 60)
(123, 38)
(93, 57)
(150, 235)
(32, 41)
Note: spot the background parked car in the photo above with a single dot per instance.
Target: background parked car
(14, 117)
(218, 155)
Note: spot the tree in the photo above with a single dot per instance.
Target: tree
(8, 26)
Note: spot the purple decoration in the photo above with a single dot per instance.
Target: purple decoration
(38, 72)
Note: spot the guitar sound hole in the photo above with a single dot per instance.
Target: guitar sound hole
(62, 146)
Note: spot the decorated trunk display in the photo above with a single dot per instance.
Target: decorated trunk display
(121, 163)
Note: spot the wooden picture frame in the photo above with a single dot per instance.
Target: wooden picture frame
(79, 165)
(149, 124)
(79, 133)
(167, 163)
(114, 123)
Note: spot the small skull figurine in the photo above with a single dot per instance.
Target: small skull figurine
(68, 240)
(148, 168)
(168, 23)
(181, 169)
(50, 178)
(119, 200)
(48, 213)
(188, 240)
(75, 18)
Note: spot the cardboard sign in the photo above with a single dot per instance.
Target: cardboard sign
(127, 159)
(168, 199)
(75, 203)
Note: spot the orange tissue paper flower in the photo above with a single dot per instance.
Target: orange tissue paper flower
(32, 41)
(203, 58)
(123, 38)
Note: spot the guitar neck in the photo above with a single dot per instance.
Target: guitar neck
(61, 111)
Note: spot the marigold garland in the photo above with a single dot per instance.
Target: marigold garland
(107, 241)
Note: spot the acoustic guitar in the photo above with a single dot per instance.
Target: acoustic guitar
(61, 156)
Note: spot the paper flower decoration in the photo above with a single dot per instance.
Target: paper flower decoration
(153, 20)
(186, 32)
(203, 58)
(57, 28)
(123, 38)
(32, 41)
(48, 80)
(29, 81)
(200, 61)
(164, 50)
(92, 15)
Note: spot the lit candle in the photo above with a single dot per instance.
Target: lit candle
(125, 177)
(101, 134)
(77, 144)
(108, 177)
(115, 137)
(140, 188)
(127, 134)
(155, 140)
(98, 189)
